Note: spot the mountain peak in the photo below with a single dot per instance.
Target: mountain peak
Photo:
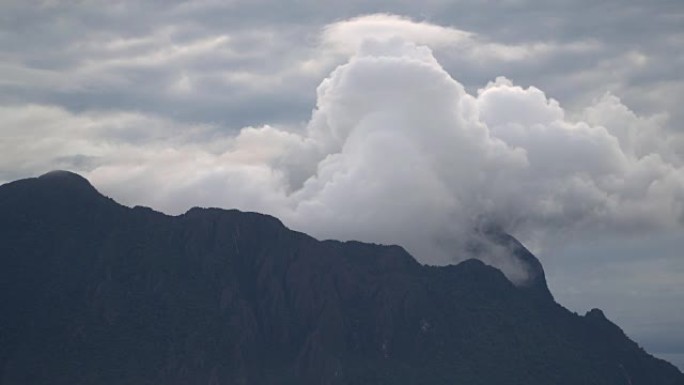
(53, 192)
(595, 313)
(66, 178)
(487, 239)
(67, 185)
(63, 174)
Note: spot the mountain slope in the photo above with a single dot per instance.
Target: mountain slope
(97, 293)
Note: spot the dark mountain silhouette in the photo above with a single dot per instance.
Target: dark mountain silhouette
(97, 293)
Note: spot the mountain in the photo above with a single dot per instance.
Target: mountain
(97, 293)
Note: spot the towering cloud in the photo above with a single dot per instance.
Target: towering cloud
(397, 152)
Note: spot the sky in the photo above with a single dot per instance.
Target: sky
(389, 121)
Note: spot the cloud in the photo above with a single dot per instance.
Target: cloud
(407, 156)
(396, 151)
(349, 35)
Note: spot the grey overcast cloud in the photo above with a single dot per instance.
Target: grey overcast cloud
(388, 121)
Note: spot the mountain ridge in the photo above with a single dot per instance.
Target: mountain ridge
(103, 293)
